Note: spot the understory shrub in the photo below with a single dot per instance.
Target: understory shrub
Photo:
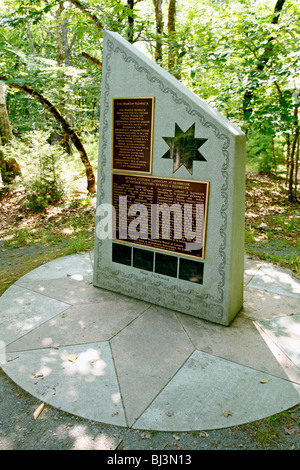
(41, 164)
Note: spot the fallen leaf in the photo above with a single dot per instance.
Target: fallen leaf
(289, 431)
(227, 413)
(38, 374)
(264, 381)
(38, 411)
(72, 358)
(12, 359)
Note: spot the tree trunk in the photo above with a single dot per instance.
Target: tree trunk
(9, 169)
(85, 9)
(60, 57)
(274, 155)
(297, 169)
(5, 127)
(293, 157)
(67, 46)
(2, 165)
(171, 32)
(130, 4)
(31, 43)
(158, 55)
(59, 35)
(288, 148)
(67, 129)
(248, 95)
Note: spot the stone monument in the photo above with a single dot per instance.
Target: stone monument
(171, 187)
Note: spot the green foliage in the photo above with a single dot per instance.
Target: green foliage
(42, 164)
(272, 223)
(264, 154)
(223, 51)
(43, 192)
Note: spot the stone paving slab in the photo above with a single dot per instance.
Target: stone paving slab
(285, 332)
(251, 267)
(113, 359)
(83, 324)
(23, 310)
(73, 266)
(261, 304)
(209, 392)
(278, 280)
(240, 343)
(79, 379)
(72, 291)
(147, 354)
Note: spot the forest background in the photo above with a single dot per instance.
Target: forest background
(242, 57)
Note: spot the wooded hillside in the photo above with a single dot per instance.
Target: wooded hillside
(242, 57)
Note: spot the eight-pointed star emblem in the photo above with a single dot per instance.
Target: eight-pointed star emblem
(184, 148)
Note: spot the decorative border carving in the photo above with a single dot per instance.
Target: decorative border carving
(214, 305)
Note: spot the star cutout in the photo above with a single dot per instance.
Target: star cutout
(184, 148)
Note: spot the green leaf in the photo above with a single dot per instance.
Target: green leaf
(72, 358)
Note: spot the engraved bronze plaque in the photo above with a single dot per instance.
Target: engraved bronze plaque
(133, 134)
(160, 213)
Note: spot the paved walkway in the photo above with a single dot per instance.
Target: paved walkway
(109, 358)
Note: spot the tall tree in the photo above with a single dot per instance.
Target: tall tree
(130, 4)
(9, 169)
(5, 126)
(63, 54)
(171, 32)
(262, 61)
(66, 129)
(158, 55)
(87, 10)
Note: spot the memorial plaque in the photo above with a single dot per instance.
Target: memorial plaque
(161, 213)
(132, 134)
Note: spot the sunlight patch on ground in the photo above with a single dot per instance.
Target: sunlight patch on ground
(84, 441)
(87, 363)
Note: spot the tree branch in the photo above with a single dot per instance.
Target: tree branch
(84, 9)
(263, 60)
(65, 126)
(92, 60)
(277, 11)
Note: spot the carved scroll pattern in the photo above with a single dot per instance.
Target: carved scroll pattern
(211, 304)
